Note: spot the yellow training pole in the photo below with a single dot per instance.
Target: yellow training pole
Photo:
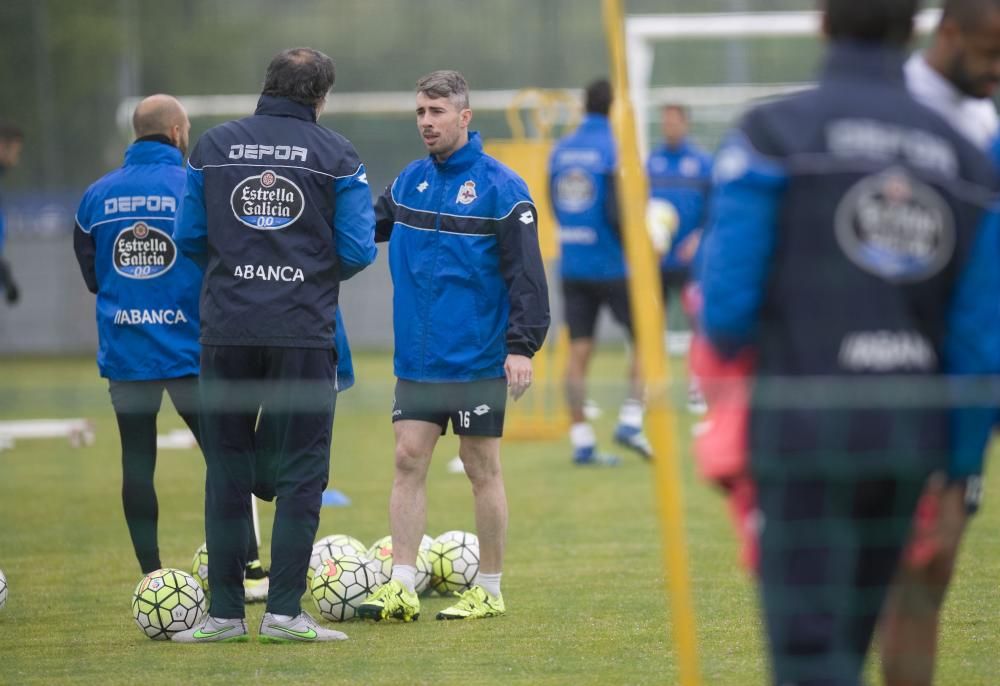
(647, 317)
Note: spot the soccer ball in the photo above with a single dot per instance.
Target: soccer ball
(454, 561)
(167, 601)
(330, 547)
(340, 585)
(199, 566)
(3, 590)
(425, 543)
(380, 555)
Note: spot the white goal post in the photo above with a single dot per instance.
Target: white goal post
(643, 30)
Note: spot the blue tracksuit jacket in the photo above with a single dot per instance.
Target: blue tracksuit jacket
(468, 281)
(582, 188)
(147, 290)
(682, 177)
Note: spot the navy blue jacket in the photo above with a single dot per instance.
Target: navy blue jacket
(147, 291)
(3, 219)
(681, 177)
(279, 210)
(851, 237)
(582, 188)
(468, 281)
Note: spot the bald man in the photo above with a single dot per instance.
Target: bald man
(147, 309)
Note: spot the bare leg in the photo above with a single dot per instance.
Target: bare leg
(912, 610)
(481, 457)
(635, 377)
(415, 441)
(580, 351)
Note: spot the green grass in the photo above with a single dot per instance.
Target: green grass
(583, 577)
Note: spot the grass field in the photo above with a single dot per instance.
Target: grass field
(583, 579)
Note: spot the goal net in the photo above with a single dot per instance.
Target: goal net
(717, 64)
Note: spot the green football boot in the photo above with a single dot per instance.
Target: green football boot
(475, 603)
(212, 630)
(391, 601)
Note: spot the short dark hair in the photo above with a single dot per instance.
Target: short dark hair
(597, 97)
(300, 74)
(968, 14)
(445, 83)
(678, 108)
(10, 132)
(889, 22)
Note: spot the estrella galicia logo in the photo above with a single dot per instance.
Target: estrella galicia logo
(267, 202)
(896, 227)
(142, 251)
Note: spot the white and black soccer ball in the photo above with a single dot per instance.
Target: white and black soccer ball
(380, 555)
(340, 585)
(167, 601)
(454, 558)
(331, 547)
(3, 589)
(199, 566)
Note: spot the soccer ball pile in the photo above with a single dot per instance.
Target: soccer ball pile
(167, 601)
(3, 590)
(343, 573)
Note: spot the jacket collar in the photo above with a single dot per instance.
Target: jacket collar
(464, 157)
(152, 152)
(595, 121)
(859, 61)
(283, 107)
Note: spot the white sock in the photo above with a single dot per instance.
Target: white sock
(582, 435)
(631, 414)
(406, 575)
(282, 618)
(490, 582)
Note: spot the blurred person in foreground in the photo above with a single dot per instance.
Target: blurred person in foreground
(11, 142)
(278, 209)
(582, 171)
(956, 76)
(852, 242)
(147, 310)
(470, 309)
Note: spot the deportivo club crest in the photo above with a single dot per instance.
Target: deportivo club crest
(467, 193)
(896, 227)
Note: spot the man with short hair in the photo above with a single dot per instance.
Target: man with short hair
(470, 309)
(582, 170)
(812, 260)
(956, 76)
(278, 208)
(11, 142)
(680, 174)
(147, 309)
